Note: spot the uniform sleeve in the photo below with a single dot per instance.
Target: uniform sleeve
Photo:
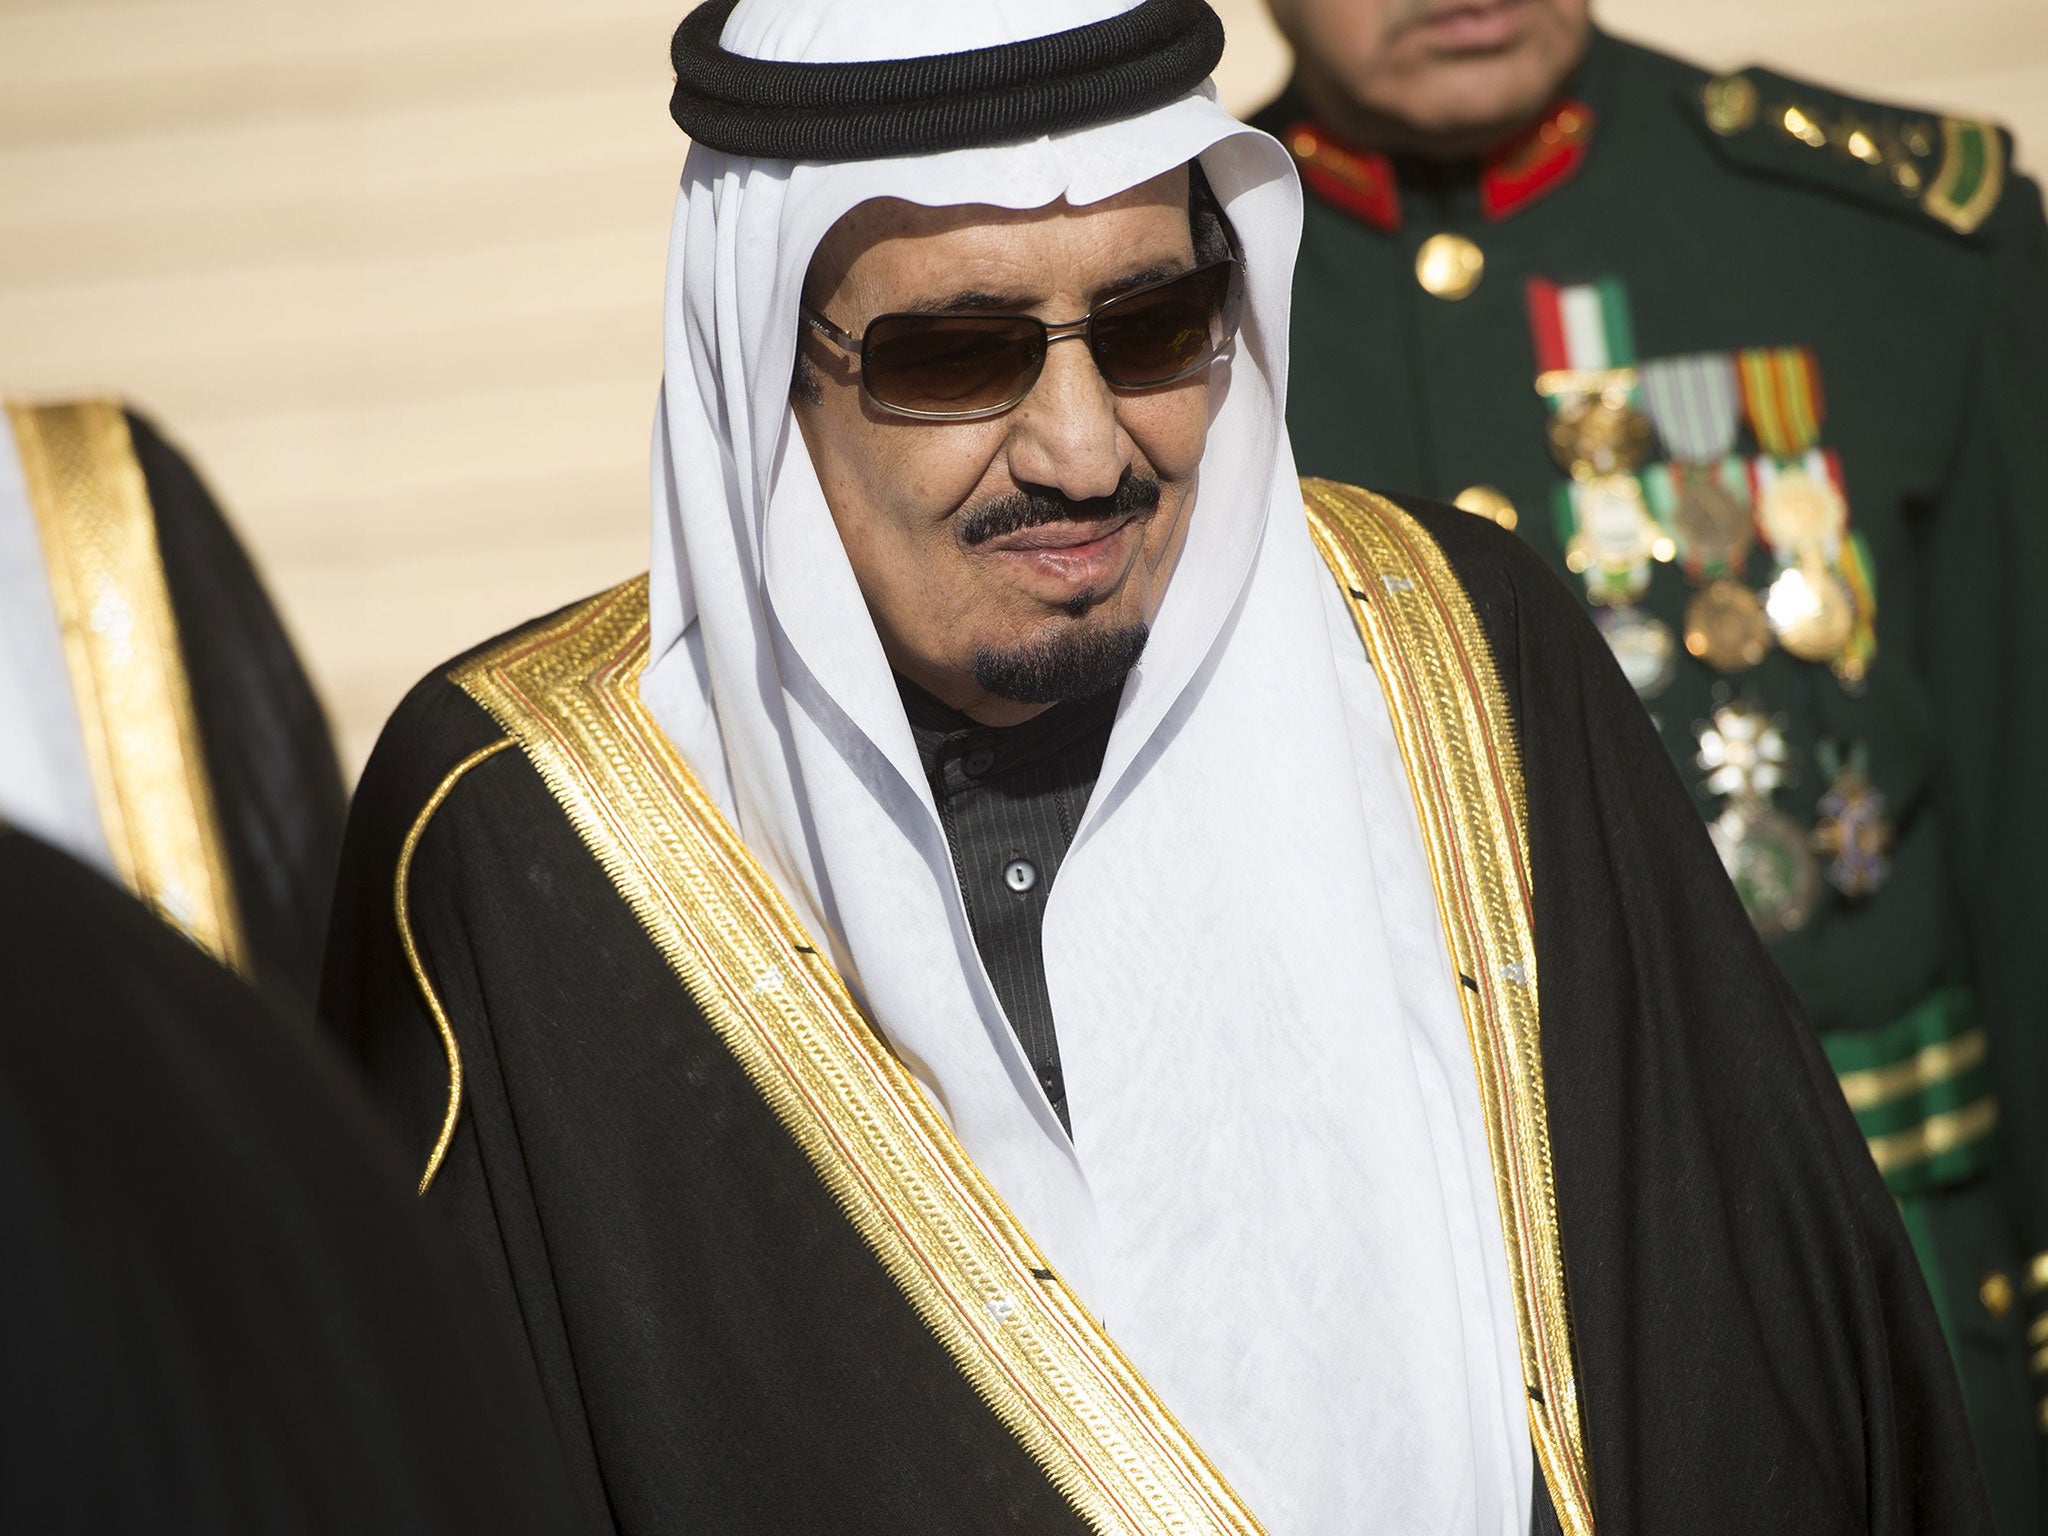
(1985, 615)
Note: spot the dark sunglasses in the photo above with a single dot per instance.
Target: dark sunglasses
(939, 367)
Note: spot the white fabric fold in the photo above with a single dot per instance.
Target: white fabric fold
(45, 780)
(1277, 1194)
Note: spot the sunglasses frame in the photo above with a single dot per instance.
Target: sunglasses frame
(1082, 329)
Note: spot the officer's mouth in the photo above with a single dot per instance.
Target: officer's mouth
(1470, 26)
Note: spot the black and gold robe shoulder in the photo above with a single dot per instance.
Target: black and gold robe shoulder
(212, 768)
(762, 1288)
(222, 1313)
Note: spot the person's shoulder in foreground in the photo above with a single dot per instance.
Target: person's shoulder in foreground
(1041, 973)
(224, 1310)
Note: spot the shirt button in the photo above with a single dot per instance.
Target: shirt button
(978, 762)
(1020, 875)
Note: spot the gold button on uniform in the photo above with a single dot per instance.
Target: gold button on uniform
(1996, 1293)
(1449, 266)
(1484, 501)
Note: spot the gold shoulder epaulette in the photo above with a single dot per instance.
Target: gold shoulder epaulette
(1951, 168)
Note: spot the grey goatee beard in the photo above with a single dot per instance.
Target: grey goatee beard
(1075, 665)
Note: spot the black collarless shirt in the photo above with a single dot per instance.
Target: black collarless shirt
(1010, 798)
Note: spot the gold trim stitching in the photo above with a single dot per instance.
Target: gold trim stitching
(1450, 717)
(569, 694)
(401, 906)
(127, 668)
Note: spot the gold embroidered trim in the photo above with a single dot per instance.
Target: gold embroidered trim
(1451, 719)
(568, 693)
(401, 906)
(127, 670)
(1870, 1087)
(1935, 1135)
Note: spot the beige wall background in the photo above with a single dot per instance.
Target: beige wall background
(391, 269)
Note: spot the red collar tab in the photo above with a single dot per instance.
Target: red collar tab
(1358, 181)
(1535, 162)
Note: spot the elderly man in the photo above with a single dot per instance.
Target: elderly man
(1022, 981)
(1790, 359)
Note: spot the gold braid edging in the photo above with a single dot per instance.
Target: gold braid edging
(1464, 766)
(568, 691)
(401, 888)
(127, 668)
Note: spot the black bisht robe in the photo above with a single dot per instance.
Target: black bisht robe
(221, 1308)
(720, 1349)
(269, 754)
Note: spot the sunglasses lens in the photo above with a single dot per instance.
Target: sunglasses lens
(1159, 334)
(951, 365)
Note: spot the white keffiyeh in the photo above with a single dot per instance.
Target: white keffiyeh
(1277, 1194)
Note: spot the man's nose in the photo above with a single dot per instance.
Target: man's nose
(1065, 433)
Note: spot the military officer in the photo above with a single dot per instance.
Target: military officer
(1761, 369)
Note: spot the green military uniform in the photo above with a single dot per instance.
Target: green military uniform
(1792, 445)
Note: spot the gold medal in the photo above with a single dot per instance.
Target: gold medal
(1712, 523)
(1725, 627)
(1599, 435)
(1799, 513)
(1810, 610)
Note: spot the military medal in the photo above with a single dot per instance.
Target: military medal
(1742, 752)
(1643, 645)
(1585, 357)
(1810, 610)
(1706, 507)
(1599, 434)
(1770, 866)
(1696, 404)
(1610, 538)
(1743, 758)
(1712, 523)
(1801, 512)
(1585, 354)
(1804, 517)
(1853, 835)
(1859, 575)
(1822, 603)
(1726, 628)
(1781, 394)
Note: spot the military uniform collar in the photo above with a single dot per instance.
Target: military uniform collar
(1532, 164)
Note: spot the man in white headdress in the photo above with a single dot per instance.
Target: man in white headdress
(998, 988)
